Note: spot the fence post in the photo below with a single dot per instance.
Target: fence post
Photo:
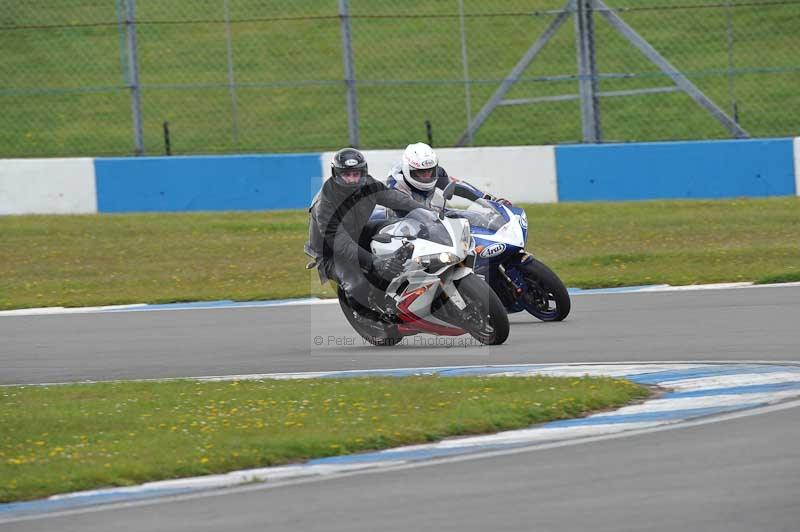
(465, 63)
(731, 75)
(231, 78)
(349, 73)
(133, 77)
(587, 71)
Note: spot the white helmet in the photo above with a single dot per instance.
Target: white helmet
(419, 166)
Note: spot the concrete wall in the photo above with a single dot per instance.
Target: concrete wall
(254, 182)
(537, 174)
(55, 186)
(720, 169)
(525, 173)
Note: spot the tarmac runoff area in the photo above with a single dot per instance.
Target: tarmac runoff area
(693, 393)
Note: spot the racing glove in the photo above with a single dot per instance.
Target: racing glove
(502, 201)
(387, 268)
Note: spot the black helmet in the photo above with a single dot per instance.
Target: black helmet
(345, 163)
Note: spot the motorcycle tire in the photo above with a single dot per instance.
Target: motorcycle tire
(491, 324)
(546, 297)
(377, 333)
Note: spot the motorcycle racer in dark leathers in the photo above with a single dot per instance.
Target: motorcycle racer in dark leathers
(339, 216)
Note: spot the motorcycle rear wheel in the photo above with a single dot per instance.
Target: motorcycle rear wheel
(377, 333)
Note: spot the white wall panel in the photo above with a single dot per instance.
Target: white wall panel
(519, 173)
(47, 186)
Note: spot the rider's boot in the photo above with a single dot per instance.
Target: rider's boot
(384, 304)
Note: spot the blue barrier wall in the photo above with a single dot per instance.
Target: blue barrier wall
(206, 183)
(609, 172)
(714, 169)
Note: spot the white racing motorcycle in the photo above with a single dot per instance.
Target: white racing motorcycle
(437, 292)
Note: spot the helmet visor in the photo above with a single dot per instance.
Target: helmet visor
(350, 176)
(424, 175)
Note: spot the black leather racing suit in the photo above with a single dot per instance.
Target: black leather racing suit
(339, 215)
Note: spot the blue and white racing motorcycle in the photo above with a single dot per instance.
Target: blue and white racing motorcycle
(519, 280)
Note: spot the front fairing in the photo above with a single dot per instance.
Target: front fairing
(522, 217)
(428, 233)
(492, 221)
(494, 252)
(500, 237)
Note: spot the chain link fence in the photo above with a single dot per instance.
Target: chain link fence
(122, 77)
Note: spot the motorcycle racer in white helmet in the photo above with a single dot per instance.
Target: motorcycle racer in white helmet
(419, 175)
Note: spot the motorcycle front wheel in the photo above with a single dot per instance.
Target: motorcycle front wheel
(546, 297)
(484, 316)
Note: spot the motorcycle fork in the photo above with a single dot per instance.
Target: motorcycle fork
(516, 284)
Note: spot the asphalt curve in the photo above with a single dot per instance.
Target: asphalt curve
(739, 474)
(739, 324)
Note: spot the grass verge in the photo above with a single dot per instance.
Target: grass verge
(66, 438)
(162, 258)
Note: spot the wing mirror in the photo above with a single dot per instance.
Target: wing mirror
(447, 193)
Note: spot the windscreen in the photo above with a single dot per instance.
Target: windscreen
(480, 215)
(422, 223)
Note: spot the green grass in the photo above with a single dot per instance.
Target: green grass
(63, 89)
(159, 258)
(58, 439)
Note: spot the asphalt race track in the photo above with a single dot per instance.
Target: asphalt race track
(736, 474)
(740, 324)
